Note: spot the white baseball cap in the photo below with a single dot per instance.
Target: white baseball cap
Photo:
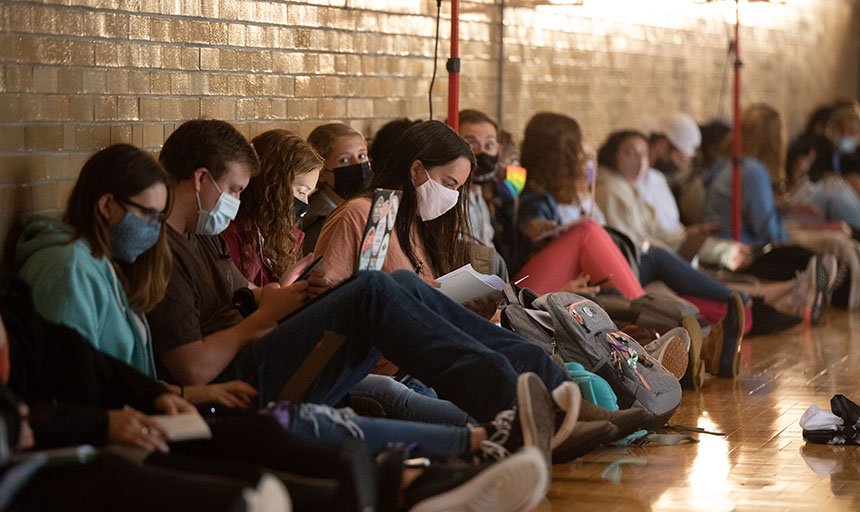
(681, 131)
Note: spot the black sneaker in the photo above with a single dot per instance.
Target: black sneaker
(531, 423)
(517, 483)
(767, 320)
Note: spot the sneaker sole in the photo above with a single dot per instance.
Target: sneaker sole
(534, 405)
(695, 376)
(569, 399)
(674, 357)
(512, 485)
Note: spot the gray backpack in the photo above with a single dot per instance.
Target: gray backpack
(580, 331)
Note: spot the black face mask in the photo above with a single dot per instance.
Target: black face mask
(300, 208)
(667, 167)
(486, 168)
(352, 179)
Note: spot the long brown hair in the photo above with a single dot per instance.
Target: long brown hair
(123, 171)
(553, 156)
(762, 138)
(445, 239)
(267, 202)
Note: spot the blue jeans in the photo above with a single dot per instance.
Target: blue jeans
(402, 403)
(838, 204)
(334, 426)
(465, 358)
(661, 265)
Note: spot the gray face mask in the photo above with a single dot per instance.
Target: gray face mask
(215, 221)
(133, 236)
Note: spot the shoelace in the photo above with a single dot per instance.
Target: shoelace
(494, 446)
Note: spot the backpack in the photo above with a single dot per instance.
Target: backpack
(657, 310)
(578, 330)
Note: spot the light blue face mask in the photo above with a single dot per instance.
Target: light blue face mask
(215, 221)
(133, 236)
(847, 145)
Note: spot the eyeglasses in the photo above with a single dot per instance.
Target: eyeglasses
(150, 214)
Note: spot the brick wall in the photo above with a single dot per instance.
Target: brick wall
(80, 74)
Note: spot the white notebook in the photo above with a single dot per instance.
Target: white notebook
(184, 426)
(466, 284)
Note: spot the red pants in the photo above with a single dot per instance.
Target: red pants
(585, 248)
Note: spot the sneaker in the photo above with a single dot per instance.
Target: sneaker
(568, 400)
(270, 495)
(672, 351)
(585, 438)
(529, 424)
(808, 286)
(517, 483)
(626, 421)
(694, 377)
(825, 277)
(733, 335)
(767, 320)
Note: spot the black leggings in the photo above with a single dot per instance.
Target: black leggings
(781, 263)
(112, 482)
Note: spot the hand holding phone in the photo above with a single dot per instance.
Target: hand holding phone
(307, 271)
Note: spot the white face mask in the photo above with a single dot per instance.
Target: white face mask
(434, 200)
(215, 221)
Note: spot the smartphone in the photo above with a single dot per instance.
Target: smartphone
(602, 281)
(307, 271)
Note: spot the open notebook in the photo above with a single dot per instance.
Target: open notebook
(467, 284)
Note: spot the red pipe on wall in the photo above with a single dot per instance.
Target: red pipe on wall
(737, 190)
(453, 67)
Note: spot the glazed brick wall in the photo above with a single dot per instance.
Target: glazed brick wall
(77, 75)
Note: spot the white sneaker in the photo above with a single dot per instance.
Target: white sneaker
(515, 484)
(270, 496)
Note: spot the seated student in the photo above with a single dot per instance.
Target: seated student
(827, 199)
(200, 338)
(79, 395)
(837, 151)
(481, 133)
(763, 151)
(554, 155)
(430, 165)
(121, 174)
(266, 246)
(346, 173)
(271, 209)
(385, 139)
(671, 148)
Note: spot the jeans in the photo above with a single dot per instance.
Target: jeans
(661, 265)
(522, 355)
(402, 403)
(465, 358)
(334, 426)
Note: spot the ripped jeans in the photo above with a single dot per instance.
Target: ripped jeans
(333, 426)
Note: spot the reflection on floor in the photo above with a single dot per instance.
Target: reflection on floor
(763, 463)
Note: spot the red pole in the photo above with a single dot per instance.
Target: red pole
(736, 135)
(453, 67)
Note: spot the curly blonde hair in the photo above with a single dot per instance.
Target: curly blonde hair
(267, 203)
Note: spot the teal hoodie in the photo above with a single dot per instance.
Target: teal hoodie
(72, 288)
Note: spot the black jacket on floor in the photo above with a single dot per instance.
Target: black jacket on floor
(68, 384)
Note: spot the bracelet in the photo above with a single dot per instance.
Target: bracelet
(182, 391)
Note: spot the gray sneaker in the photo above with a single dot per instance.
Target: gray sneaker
(530, 423)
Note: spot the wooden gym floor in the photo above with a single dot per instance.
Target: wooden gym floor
(763, 463)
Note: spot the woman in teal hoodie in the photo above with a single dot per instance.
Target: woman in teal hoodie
(106, 264)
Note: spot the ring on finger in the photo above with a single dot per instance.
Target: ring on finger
(144, 431)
